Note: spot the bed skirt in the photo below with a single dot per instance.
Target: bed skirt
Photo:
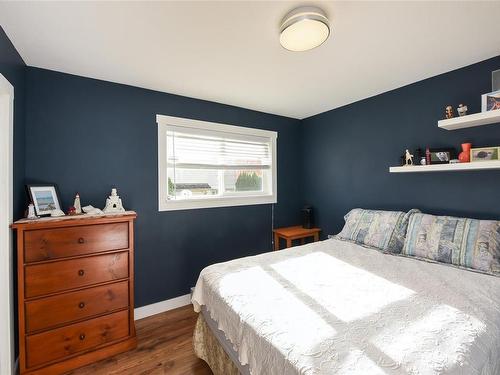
(207, 347)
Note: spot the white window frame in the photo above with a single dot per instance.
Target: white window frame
(7, 364)
(171, 205)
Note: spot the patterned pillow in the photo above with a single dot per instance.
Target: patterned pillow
(384, 230)
(462, 242)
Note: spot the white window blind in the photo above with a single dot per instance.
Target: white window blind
(203, 164)
(216, 150)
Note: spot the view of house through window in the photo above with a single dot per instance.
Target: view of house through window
(214, 162)
(189, 183)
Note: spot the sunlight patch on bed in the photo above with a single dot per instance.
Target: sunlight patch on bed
(348, 292)
(436, 342)
(357, 362)
(265, 305)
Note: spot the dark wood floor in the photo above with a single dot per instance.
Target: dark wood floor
(164, 347)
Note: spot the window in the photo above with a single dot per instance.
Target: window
(205, 164)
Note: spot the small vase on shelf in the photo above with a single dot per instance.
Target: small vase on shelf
(464, 156)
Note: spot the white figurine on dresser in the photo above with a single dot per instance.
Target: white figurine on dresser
(57, 213)
(31, 212)
(113, 203)
(77, 204)
(91, 210)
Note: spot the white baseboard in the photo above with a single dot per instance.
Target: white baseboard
(159, 307)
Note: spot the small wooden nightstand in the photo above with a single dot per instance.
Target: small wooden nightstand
(294, 233)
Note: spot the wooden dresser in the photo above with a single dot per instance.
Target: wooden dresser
(75, 290)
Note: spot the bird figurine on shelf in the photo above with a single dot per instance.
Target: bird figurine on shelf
(462, 110)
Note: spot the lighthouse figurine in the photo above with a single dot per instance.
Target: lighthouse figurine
(77, 204)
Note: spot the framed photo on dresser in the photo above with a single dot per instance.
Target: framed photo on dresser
(45, 198)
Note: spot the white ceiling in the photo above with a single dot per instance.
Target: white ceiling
(229, 52)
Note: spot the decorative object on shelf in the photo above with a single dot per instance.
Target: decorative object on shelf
(484, 154)
(71, 211)
(57, 213)
(427, 156)
(45, 198)
(31, 212)
(441, 155)
(77, 205)
(490, 101)
(408, 158)
(462, 110)
(91, 210)
(423, 160)
(307, 217)
(495, 80)
(454, 161)
(464, 156)
(449, 112)
(418, 155)
(113, 203)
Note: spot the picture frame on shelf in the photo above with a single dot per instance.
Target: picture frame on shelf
(490, 101)
(484, 154)
(442, 155)
(45, 198)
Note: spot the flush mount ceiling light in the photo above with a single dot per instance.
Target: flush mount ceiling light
(303, 29)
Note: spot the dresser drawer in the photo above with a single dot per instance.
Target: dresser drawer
(62, 342)
(45, 244)
(68, 307)
(53, 277)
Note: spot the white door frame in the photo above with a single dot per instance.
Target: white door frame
(6, 208)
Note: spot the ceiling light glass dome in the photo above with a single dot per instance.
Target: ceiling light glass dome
(303, 29)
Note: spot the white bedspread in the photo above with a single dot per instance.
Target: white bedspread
(333, 307)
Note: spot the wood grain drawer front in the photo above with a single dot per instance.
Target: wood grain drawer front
(62, 342)
(46, 278)
(45, 244)
(68, 307)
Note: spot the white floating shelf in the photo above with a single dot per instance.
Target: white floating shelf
(473, 166)
(469, 121)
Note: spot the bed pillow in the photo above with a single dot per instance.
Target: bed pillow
(468, 243)
(384, 230)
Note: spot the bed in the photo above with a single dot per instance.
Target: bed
(335, 307)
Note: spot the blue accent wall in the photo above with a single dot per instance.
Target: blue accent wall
(88, 136)
(348, 151)
(13, 68)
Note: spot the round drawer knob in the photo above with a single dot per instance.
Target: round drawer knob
(81, 272)
(81, 240)
(82, 336)
(81, 305)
